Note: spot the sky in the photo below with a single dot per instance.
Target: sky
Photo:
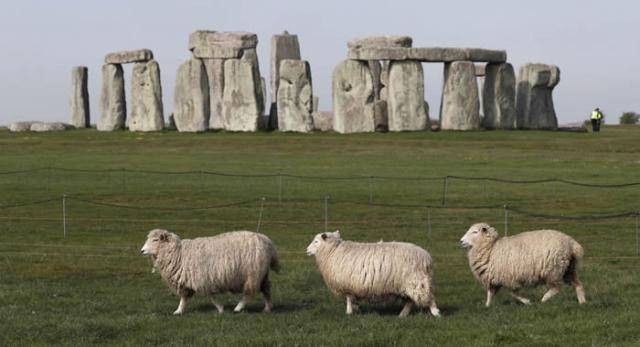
(595, 43)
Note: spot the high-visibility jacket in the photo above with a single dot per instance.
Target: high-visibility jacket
(596, 115)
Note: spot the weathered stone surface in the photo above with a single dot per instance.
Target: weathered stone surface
(428, 54)
(240, 104)
(215, 76)
(17, 127)
(139, 55)
(191, 97)
(534, 99)
(380, 41)
(379, 53)
(499, 97)
(44, 127)
(406, 97)
(251, 56)
(438, 54)
(481, 70)
(460, 101)
(323, 121)
(113, 107)
(353, 98)
(146, 98)
(283, 46)
(79, 99)
(295, 96)
(209, 44)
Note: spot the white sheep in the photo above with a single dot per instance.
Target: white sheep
(524, 260)
(236, 262)
(381, 271)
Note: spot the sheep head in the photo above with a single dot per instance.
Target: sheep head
(478, 234)
(321, 239)
(157, 240)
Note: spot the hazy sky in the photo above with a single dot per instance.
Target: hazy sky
(595, 43)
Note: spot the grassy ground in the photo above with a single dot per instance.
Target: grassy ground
(92, 287)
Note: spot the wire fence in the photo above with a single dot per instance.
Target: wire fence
(116, 199)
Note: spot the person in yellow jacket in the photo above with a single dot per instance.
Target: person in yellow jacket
(596, 119)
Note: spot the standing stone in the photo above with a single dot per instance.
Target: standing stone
(240, 102)
(381, 116)
(215, 77)
(295, 96)
(460, 105)
(534, 99)
(284, 46)
(406, 97)
(191, 97)
(323, 121)
(353, 98)
(499, 97)
(79, 100)
(146, 98)
(252, 56)
(316, 103)
(384, 81)
(113, 106)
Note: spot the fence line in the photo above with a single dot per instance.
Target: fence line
(330, 178)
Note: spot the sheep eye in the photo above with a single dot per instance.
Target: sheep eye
(155, 240)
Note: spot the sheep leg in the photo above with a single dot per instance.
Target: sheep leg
(182, 305)
(553, 290)
(219, 306)
(265, 288)
(406, 309)
(520, 298)
(243, 302)
(579, 291)
(351, 304)
(434, 309)
(491, 291)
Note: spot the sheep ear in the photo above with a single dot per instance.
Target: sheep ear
(164, 236)
(484, 229)
(337, 233)
(323, 236)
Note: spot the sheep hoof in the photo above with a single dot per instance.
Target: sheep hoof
(526, 301)
(177, 313)
(436, 313)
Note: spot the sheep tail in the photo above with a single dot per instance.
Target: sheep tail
(577, 250)
(275, 263)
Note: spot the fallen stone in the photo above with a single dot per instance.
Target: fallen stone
(323, 121)
(295, 96)
(406, 97)
(79, 100)
(499, 97)
(215, 77)
(124, 57)
(380, 41)
(191, 97)
(460, 101)
(534, 98)
(353, 98)
(17, 127)
(45, 127)
(113, 106)
(240, 104)
(208, 44)
(146, 98)
(284, 46)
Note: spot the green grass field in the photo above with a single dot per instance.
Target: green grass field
(93, 287)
